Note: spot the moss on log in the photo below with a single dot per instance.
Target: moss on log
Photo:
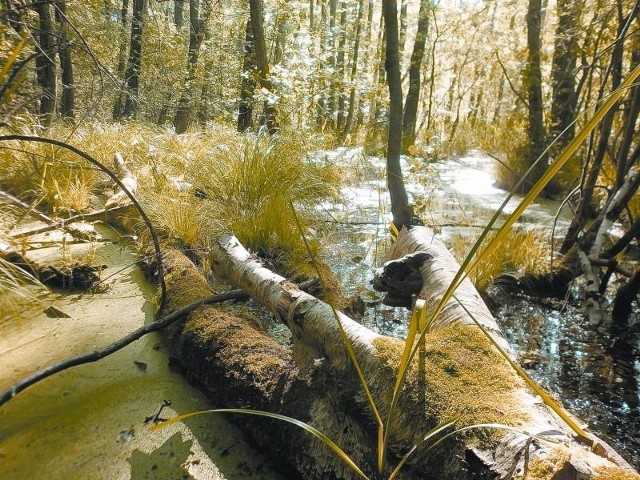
(457, 374)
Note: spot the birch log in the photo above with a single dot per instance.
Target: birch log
(458, 374)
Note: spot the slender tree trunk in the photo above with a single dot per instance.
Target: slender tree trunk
(132, 74)
(399, 200)
(404, 4)
(45, 63)
(197, 26)
(205, 93)
(354, 72)
(332, 51)
(320, 102)
(178, 13)
(122, 59)
(415, 69)
(376, 104)
(248, 82)
(340, 67)
(67, 100)
(365, 67)
(536, 131)
(262, 62)
(563, 72)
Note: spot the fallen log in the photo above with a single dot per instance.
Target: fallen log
(459, 374)
(236, 364)
(30, 210)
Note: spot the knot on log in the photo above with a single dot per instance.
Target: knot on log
(401, 279)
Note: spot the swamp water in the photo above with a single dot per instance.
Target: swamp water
(578, 365)
(91, 422)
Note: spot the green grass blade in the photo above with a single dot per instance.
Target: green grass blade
(347, 343)
(498, 426)
(419, 310)
(546, 398)
(417, 323)
(429, 435)
(13, 56)
(305, 426)
(441, 428)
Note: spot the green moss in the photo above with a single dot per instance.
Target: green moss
(458, 374)
(239, 345)
(615, 473)
(185, 283)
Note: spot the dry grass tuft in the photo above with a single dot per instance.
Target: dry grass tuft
(21, 294)
(524, 252)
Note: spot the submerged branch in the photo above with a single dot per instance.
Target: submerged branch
(103, 352)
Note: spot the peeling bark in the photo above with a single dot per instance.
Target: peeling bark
(449, 379)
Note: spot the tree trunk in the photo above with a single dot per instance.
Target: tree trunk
(535, 131)
(395, 183)
(262, 62)
(376, 105)
(178, 13)
(454, 344)
(132, 74)
(341, 68)
(563, 72)
(122, 58)
(320, 99)
(367, 61)
(67, 101)
(330, 113)
(415, 68)
(354, 72)
(45, 63)
(197, 25)
(248, 82)
(404, 5)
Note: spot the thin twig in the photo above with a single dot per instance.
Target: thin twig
(511, 86)
(101, 353)
(83, 217)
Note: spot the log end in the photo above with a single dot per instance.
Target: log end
(401, 279)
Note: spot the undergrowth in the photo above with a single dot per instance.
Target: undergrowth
(522, 252)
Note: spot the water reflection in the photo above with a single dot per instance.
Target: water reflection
(597, 381)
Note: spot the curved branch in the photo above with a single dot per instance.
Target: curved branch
(113, 176)
(100, 353)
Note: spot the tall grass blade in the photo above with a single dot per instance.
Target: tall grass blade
(417, 323)
(13, 56)
(425, 438)
(347, 343)
(305, 426)
(546, 398)
(418, 316)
